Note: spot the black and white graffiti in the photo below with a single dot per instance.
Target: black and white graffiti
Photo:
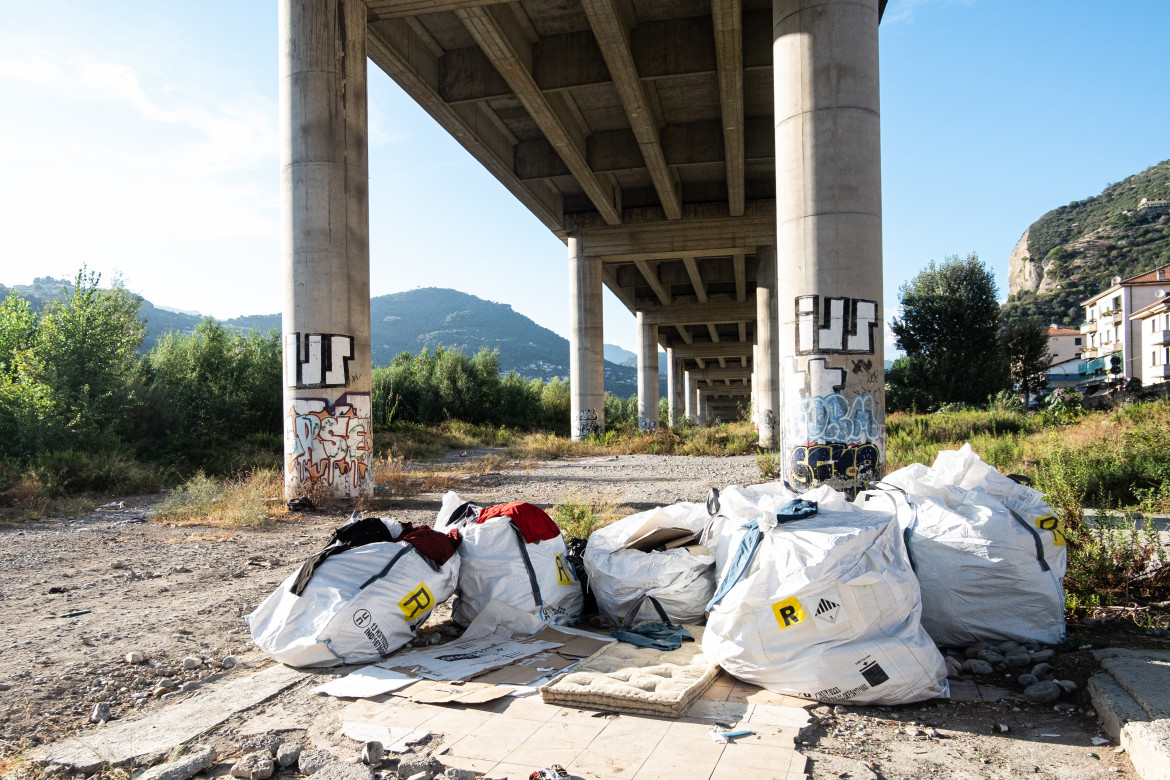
(587, 423)
(647, 425)
(317, 360)
(835, 325)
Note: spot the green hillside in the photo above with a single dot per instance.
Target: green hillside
(1073, 251)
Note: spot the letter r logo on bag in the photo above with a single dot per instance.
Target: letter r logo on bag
(563, 576)
(416, 602)
(788, 612)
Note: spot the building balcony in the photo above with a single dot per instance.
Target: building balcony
(1089, 327)
(1160, 337)
(1109, 347)
(1157, 372)
(1117, 318)
(1088, 353)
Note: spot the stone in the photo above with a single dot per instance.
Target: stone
(1042, 670)
(199, 758)
(311, 761)
(372, 753)
(1018, 659)
(340, 770)
(254, 766)
(974, 650)
(1027, 679)
(166, 682)
(288, 753)
(192, 662)
(459, 774)
(228, 662)
(954, 668)
(1068, 686)
(1043, 655)
(100, 714)
(1008, 647)
(413, 764)
(134, 657)
(1045, 692)
(977, 666)
(990, 656)
(266, 742)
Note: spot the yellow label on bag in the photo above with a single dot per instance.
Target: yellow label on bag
(788, 612)
(1053, 524)
(416, 602)
(563, 576)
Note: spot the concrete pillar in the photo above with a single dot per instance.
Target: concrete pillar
(328, 436)
(586, 350)
(766, 367)
(647, 375)
(671, 389)
(701, 403)
(829, 241)
(691, 391)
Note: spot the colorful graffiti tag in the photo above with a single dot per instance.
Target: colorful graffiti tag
(330, 444)
(816, 463)
(317, 360)
(837, 419)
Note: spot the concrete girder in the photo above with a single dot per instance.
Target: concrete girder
(727, 16)
(700, 313)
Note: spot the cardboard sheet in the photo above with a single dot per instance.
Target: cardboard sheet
(365, 682)
(428, 692)
(393, 738)
(465, 659)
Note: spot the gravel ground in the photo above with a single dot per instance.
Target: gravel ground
(170, 593)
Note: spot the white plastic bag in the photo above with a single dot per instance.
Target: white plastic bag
(498, 564)
(988, 552)
(827, 609)
(359, 606)
(681, 581)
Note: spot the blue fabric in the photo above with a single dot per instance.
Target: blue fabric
(658, 636)
(796, 509)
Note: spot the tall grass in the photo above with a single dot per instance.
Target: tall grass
(250, 500)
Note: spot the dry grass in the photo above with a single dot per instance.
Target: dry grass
(396, 476)
(251, 500)
(736, 438)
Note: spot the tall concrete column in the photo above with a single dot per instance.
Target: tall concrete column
(647, 375)
(701, 403)
(755, 387)
(691, 395)
(829, 241)
(766, 367)
(328, 436)
(679, 414)
(586, 350)
(671, 384)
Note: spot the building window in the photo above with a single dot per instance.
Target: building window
(1077, 340)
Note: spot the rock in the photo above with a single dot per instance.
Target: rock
(828, 765)
(1018, 659)
(288, 753)
(823, 711)
(100, 714)
(1042, 670)
(372, 753)
(228, 662)
(977, 666)
(201, 757)
(974, 650)
(135, 657)
(264, 743)
(192, 662)
(1068, 686)
(338, 770)
(118, 565)
(913, 731)
(1043, 655)
(990, 656)
(254, 766)
(954, 668)
(166, 682)
(413, 764)
(1008, 647)
(459, 774)
(1044, 692)
(311, 761)
(1027, 679)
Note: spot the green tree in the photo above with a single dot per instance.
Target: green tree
(84, 354)
(949, 328)
(1026, 345)
(18, 329)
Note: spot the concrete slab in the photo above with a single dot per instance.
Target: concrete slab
(1132, 699)
(140, 740)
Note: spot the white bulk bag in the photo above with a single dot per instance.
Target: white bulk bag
(990, 565)
(359, 606)
(497, 563)
(827, 609)
(680, 581)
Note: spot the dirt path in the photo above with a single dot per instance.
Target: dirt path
(170, 593)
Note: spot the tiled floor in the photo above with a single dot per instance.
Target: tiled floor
(509, 738)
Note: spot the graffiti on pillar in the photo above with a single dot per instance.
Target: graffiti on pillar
(313, 360)
(815, 463)
(835, 325)
(860, 366)
(647, 425)
(767, 424)
(587, 423)
(330, 444)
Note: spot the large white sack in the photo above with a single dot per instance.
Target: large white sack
(988, 552)
(498, 564)
(828, 609)
(618, 577)
(359, 606)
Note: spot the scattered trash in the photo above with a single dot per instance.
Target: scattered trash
(301, 504)
(75, 613)
(1094, 755)
(1098, 741)
(1001, 728)
(555, 772)
(722, 737)
(394, 739)
(366, 682)
(1053, 736)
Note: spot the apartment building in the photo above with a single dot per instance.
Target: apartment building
(1110, 329)
(1064, 343)
(1153, 322)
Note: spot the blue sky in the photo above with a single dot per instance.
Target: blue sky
(141, 138)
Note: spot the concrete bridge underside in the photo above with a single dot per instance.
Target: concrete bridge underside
(714, 163)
